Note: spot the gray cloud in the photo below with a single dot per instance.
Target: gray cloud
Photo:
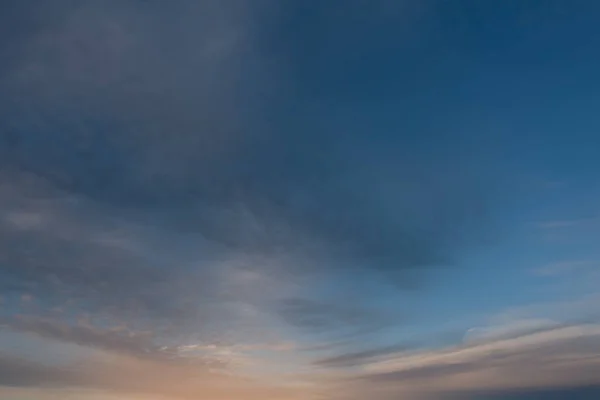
(129, 377)
(145, 148)
(116, 340)
(18, 372)
(158, 131)
(142, 150)
(66, 250)
(357, 358)
(86, 335)
(425, 373)
(558, 358)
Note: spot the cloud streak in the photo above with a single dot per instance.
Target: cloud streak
(557, 357)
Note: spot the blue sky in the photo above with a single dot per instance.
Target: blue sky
(236, 199)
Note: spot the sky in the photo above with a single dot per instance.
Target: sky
(293, 200)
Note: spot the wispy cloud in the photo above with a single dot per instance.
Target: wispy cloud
(143, 184)
(128, 376)
(358, 358)
(161, 210)
(557, 356)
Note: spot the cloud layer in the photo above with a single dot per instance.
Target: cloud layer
(185, 213)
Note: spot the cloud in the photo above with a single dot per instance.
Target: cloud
(561, 357)
(358, 358)
(127, 376)
(18, 372)
(150, 184)
(137, 97)
(142, 106)
(65, 256)
(124, 363)
(116, 340)
(514, 328)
